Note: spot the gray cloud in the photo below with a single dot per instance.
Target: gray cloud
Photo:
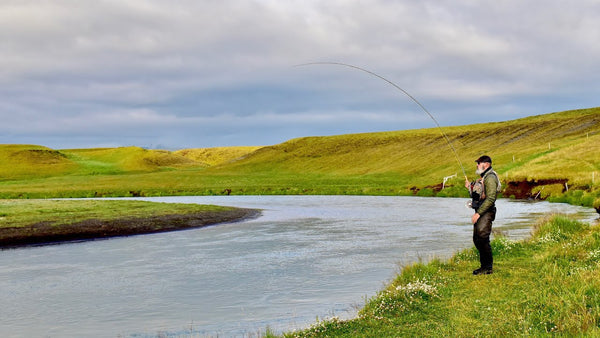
(210, 73)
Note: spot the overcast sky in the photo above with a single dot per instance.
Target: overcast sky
(206, 73)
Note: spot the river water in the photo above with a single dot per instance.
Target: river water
(305, 257)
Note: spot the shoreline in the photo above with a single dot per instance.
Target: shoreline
(45, 233)
(442, 298)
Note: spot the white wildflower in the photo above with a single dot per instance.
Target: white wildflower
(418, 285)
(551, 237)
(594, 255)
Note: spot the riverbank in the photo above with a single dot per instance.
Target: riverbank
(548, 284)
(37, 222)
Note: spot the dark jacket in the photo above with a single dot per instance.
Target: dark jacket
(491, 185)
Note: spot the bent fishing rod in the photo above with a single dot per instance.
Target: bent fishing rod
(403, 91)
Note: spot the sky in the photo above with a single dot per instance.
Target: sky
(209, 73)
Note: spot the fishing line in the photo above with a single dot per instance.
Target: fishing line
(403, 91)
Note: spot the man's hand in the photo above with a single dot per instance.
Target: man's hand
(467, 183)
(475, 218)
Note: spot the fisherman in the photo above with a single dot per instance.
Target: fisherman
(483, 191)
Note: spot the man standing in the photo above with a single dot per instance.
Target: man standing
(483, 193)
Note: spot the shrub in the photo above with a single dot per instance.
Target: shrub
(425, 192)
(587, 200)
(596, 204)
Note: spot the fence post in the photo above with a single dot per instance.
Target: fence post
(445, 179)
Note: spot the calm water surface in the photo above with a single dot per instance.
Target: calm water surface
(306, 256)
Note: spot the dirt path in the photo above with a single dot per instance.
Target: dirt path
(47, 233)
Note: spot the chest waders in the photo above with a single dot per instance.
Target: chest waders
(483, 227)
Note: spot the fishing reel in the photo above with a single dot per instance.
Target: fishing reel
(474, 204)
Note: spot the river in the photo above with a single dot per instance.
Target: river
(305, 257)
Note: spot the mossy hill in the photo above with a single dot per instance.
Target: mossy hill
(544, 156)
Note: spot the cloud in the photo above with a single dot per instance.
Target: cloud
(83, 71)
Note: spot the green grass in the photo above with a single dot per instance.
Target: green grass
(552, 146)
(218, 155)
(100, 161)
(21, 213)
(549, 284)
(27, 161)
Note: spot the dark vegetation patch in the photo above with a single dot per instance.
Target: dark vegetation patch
(47, 232)
(436, 187)
(45, 156)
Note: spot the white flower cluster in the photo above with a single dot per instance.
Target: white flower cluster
(321, 327)
(414, 287)
(551, 237)
(504, 244)
(403, 296)
(594, 255)
(580, 269)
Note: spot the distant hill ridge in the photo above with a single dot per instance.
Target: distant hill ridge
(22, 161)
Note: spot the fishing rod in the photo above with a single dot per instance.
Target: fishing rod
(403, 91)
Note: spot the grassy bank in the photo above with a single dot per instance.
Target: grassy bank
(43, 221)
(549, 284)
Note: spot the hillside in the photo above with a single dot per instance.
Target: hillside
(23, 161)
(540, 156)
(558, 147)
(518, 147)
(33, 161)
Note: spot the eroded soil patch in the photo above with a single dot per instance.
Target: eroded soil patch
(524, 189)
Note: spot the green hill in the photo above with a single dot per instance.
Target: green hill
(520, 148)
(539, 156)
(32, 161)
(559, 147)
(24, 161)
